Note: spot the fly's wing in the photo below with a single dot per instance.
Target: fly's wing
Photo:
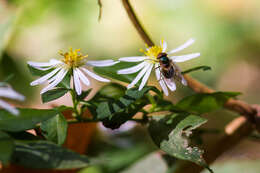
(177, 75)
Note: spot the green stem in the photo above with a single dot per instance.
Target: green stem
(84, 120)
(152, 101)
(75, 105)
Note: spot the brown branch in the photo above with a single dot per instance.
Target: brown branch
(238, 106)
(100, 10)
(136, 23)
(241, 130)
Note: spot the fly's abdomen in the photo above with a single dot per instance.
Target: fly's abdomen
(168, 73)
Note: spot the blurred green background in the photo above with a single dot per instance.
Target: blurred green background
(226, 32)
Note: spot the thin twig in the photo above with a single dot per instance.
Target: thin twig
(136, 23)
(100, 10)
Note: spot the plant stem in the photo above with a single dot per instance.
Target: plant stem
(83, 120)
(152, 101)
(75, 105)
(136, 23)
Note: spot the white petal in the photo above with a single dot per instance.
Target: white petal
(39, 64)
(103, 63)
(164, 46)
(186, 44)
(53, 78)
(58, 78)
(139, 76)
(146, 76)
(184, 57)
(10, 93)
(161, 81)
(43, 69)
(157, 71)
(45, 77)
(164, 88)
(8, 107)
(131, 70)
(95, 76)
(83, 78)
(133, 58)
(77, 84)
(183, 81)
(170, 83)
(44, 64)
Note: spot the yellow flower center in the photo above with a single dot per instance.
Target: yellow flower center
(73, 58)
(152, 52)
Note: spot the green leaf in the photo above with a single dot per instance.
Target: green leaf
(116, 112)
(112, 71)
(55, 129)
(107, 93)
(53, 94)
(112, 90)
(36, 72)
(84, 94)
(119, 118)
(204, 68)
(107, 109)
(23, 135)
(20, 81)
(64, 108)
(27, 119)
(7, 79)
(170, 134)
(91, 169)
(44, 154)
(201, 103)
(6, 147)
(65, 83)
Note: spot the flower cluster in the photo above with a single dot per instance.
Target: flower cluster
(155, 57)
(73, 62)
(76, 66)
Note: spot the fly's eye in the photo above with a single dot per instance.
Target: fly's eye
(164, 59)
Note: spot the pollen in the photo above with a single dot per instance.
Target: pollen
(152, 52)
(73, 58)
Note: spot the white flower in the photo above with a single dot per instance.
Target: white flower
(8, 92)
(73, 62)
(152, 60)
